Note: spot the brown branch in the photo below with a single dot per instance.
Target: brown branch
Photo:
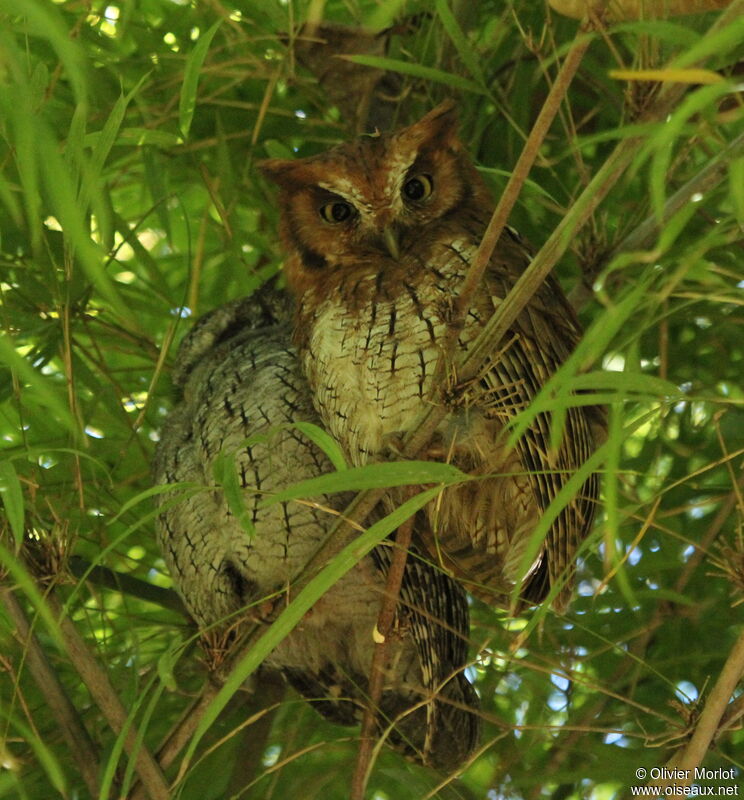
(708, 722)
(84, 752)
(734, 713)
(95, 678)
(385, 624)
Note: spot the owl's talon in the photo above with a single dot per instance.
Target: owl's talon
(266, 612)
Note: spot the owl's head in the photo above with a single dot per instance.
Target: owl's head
(368, 204)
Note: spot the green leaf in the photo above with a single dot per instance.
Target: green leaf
(44, 755)
(370, 476)
(154, 491)
(716, 43)
(464, 48)
(12, 495)
(27, 585)
(48, 393)
(187, 101)
(226, 475)
(418, 71)
(325, 442)
(44, 20)
(736, 187)
(167, 663)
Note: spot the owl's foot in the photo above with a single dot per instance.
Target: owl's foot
(264, 612)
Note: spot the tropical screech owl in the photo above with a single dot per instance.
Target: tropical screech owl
(242, 392)
(379, 234)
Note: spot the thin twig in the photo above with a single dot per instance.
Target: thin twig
(84, 752)
(733, 715)
(385, 623)
(106, 698)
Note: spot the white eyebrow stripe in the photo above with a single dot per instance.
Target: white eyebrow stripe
(344, 188)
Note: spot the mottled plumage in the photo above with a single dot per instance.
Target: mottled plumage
(242, 391)
(379, 235)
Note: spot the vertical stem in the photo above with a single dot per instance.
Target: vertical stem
(503, 209)
(385, 623)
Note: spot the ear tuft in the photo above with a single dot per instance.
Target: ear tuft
(277, 170)
(438, 128)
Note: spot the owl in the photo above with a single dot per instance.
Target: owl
(379, 234)
(243, 391)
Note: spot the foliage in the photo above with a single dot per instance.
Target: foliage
(130, 203)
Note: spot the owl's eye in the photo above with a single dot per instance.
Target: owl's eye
(337, 211)
(418, 188)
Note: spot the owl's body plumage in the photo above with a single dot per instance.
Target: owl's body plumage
(243, 390)
(380, 234)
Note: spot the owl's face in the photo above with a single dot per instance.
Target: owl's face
(376, 202)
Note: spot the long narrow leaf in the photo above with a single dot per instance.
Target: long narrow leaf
(12, 497)
(418, 71)
(370, 476)
(187, 101)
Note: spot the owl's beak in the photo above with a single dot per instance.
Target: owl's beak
(391, 241)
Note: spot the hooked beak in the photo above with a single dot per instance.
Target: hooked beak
(390, 238)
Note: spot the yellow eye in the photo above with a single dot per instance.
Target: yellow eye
(418, 188)
(337, 211)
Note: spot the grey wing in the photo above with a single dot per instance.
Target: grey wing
(244, 387)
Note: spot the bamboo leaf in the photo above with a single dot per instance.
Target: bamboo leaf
(44, 755)
(153, 491)
(27, 585)
(325, 442)
(464, 49)
(47, 392)
(12, 496)
(187, 101)
(370, 476)
(418, 71)
(668, 75)
(226, 475)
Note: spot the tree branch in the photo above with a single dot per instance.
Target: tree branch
(84, 752)
(107, 700)
(708, 721)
